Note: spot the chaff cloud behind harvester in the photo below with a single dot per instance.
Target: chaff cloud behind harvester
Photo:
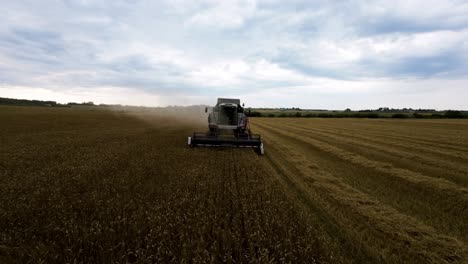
(228, 126)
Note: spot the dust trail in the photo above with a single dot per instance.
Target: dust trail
(172, 116)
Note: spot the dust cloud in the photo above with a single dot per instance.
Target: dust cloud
(171, 116)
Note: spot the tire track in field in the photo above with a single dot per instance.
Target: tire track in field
(391, 132)
(395, 141)
(416, 127)
(385, 133)
(437, 184)
(354, 251)
(411, 192)
(385, 128)
(431, 166)
(373, 228)
(447, 156)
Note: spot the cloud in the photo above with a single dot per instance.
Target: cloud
(317, 52)
(223, 14)
(414, 16)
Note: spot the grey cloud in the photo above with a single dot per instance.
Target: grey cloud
(98, 44)
(38, 46)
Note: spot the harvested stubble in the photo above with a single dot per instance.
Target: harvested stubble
(394, 211)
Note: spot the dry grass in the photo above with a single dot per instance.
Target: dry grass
(395, 211)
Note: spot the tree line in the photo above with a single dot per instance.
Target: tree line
(363, 114)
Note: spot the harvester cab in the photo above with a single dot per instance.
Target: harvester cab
(228, 125)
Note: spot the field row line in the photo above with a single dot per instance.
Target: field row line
(386, 134)
(449, 197)
(376, 229)
(409, 198)
(409, 176)
(455, 171)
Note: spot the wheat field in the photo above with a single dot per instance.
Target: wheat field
(87, 185)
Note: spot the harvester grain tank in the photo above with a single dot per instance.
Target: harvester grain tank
(228, 125)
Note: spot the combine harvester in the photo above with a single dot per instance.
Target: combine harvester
(228, 126)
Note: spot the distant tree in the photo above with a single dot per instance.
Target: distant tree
(399, 116)
(254, 114)
(347, 110)
(453, 114)
(372, 115)
(383, 109)
(25, 102)
(324, 115)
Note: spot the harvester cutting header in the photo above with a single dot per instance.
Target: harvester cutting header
(228, 126)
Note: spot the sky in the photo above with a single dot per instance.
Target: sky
(309, 54)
